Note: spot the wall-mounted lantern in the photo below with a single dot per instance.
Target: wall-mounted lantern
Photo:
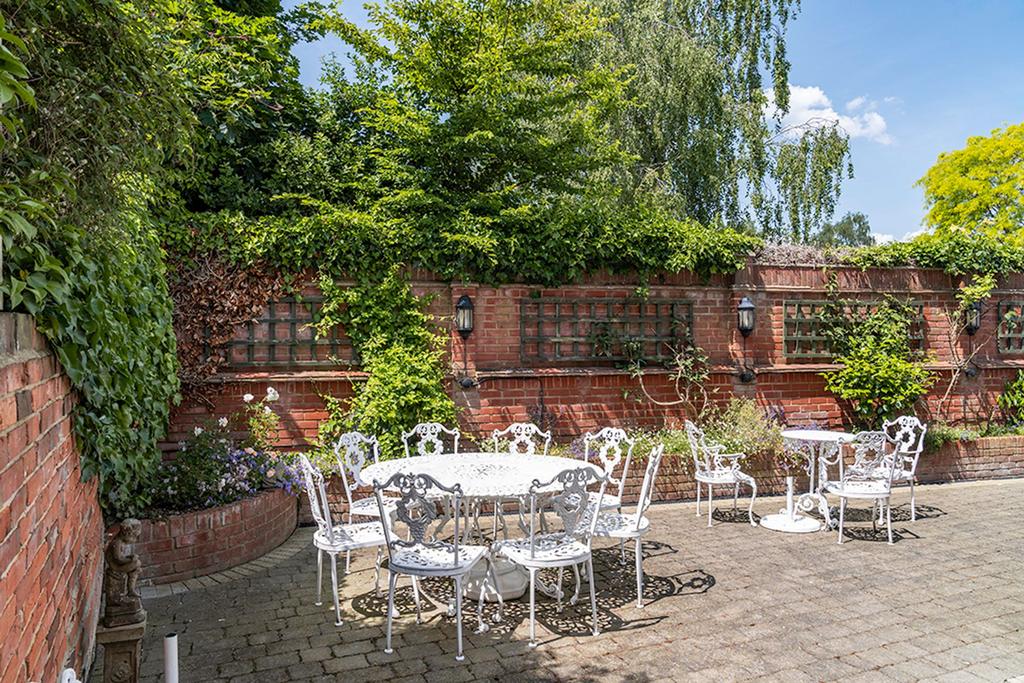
(464, 316)
(745, 324)
(973, 322)
(745, 317)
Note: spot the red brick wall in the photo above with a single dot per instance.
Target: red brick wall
(207, 541)
(575, 399)
(51, 527)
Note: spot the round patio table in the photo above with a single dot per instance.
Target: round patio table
(493, 477)
(817, 448)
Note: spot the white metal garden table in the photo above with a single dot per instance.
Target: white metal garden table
(492, 477)
(817, 448)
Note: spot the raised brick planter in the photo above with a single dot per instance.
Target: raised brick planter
(206, 541)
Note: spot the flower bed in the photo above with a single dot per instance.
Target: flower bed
(202, 542)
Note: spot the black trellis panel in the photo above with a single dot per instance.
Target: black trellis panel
(284, 337)
(602, 330)
(802, 337)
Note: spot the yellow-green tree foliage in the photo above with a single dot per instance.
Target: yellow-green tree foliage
(980, 185)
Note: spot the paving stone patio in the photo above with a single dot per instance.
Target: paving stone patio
(945, 602)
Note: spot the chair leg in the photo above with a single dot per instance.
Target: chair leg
(698, 499)
(593, 596)
(392, 579)
(558, 589)
(576, 594)
(639, 574)
(334, 585)
(888, 518)
(753, 497)
(348, 561)
(533, 608)
(711, 502)
(376, 571)
(842, 514)
(458, 618)
(913, 507)
(622, 552)
(416, 599)
(735, 496)
(319, 576)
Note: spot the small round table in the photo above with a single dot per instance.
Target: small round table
(818, 448)
(484, 476)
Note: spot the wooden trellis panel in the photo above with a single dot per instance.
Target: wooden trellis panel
(597, 331)
(802, 335)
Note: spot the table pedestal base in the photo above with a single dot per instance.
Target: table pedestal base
(798, 524)
(513, 581)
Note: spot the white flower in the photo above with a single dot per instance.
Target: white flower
(248, 398)
(272, 394)
(197, 431)
(267, 410)
(223, 422)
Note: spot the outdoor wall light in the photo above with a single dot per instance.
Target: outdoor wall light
(464, 316)
(745, 324)
(745, 317)
(973, 322)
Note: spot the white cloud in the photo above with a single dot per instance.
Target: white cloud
(856, 103)
(809, 105)
(882, 237)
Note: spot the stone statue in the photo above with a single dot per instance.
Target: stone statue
(123, 604)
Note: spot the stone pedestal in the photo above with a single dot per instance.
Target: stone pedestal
(122, 652)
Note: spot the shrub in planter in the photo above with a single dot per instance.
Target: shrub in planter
(213, 469)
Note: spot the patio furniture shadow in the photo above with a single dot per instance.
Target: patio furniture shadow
(730, 516)
(616, 592)
(900, 513)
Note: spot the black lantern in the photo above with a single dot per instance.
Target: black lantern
(973, 322)
(464, 316)
(745, 316)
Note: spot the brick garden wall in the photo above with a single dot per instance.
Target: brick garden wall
(51, 552)
(574, 396)
(206, 541)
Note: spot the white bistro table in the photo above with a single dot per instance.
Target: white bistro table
(491, 477)
(818, 449)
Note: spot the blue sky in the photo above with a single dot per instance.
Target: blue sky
(907, 80)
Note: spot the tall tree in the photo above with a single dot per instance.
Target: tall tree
(705, 127)
(980, 186)
(852, 230)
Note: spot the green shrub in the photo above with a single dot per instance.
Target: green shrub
(1011, 401)
(744, 427)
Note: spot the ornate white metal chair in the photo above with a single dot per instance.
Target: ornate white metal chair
(354, 451)
(569, 547)
(423, 554)
(522, 442)
(522, 438)
(634, 526)
(429, 440)
(608, 443)
(333, 538)
(714, 467)
(869, 478)
(906, 435)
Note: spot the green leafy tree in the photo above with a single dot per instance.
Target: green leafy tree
(695, 118)
(852, 230)
(979, 186)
